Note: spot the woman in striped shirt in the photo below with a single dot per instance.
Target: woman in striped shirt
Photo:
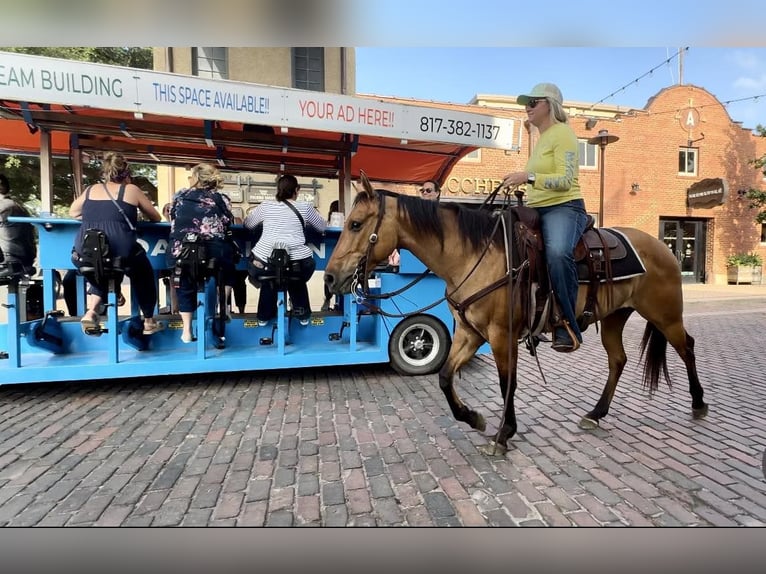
(284, 222)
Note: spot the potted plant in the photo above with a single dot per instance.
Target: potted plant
(744, 268)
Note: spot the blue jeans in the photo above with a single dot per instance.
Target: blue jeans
(223, 252)
(562, 226)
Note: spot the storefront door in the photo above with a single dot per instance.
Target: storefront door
(686, 239)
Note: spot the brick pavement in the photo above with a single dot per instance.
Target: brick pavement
(364, 446)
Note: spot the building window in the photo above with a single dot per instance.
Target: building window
(308, 69)
(473, 157)
(587, 154)
(763, 232)
(687, 161)
(210, 63)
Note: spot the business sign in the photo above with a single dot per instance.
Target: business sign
(707, 193)
(39, 79)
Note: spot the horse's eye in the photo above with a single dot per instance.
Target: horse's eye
(355, 226)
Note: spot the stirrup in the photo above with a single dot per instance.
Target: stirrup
(567, 348)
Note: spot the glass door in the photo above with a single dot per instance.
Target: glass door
(686, 239)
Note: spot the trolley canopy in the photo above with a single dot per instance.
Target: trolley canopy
(172, 119)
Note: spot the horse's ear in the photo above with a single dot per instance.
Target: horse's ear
(366, 186)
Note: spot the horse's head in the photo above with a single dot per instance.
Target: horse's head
(368, 237)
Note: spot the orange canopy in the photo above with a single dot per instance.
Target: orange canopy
(158, 139)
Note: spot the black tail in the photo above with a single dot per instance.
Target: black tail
(656, 344)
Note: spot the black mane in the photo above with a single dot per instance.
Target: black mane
(476, 226)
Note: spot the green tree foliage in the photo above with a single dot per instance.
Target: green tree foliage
(23, 172)
(757, 197)
(131, 57)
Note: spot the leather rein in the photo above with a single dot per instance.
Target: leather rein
(360, 286)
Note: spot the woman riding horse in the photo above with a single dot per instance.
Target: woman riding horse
(462, 247)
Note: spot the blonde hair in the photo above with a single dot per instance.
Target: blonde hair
(208, 176)
(114, 167)
(558, 115)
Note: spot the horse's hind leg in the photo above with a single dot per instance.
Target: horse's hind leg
(666, 325)
(611, 337)
(683, 343)
(464, 345)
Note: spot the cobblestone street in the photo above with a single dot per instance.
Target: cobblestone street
(365, 446)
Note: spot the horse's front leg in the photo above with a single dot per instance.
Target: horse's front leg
(506, 354)
(611, 337)
(464, 345)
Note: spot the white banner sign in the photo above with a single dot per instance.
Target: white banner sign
(50, 80)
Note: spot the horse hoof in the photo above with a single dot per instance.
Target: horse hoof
(587, 423)
(493, 449)
(699, 413)
(480, 424)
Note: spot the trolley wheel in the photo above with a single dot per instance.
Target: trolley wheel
(419, 345)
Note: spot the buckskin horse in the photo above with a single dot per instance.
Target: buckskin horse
(458, 245)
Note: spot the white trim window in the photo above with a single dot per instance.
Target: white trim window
(472, 157)
(687, 161)
(588, 155)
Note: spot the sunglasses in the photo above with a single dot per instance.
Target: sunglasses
(532, 102)
(424, 191)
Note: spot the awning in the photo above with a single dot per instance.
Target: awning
(177, 141)
(173, 119)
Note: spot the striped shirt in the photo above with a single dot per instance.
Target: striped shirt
(281, 225)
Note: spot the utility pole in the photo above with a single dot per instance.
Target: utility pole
(680, 66)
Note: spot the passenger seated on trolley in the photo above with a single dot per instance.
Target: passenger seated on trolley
(239, 289)
(284, 221)
(112, 207)
(18, 243)
(200, 212)
(166, 275)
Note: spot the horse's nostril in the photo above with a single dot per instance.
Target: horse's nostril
(329, 279)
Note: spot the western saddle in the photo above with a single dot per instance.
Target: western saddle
(595, 250)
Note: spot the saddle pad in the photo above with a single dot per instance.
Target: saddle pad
(625, 268)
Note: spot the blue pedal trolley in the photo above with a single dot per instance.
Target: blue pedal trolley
(394, 143)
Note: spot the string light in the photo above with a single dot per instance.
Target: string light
(699, 107)
(641, 77)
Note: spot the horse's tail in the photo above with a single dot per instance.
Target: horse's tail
(655, 344)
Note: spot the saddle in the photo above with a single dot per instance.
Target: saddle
(96, 262)
(595, 250)
(278, 269)
(194, 262)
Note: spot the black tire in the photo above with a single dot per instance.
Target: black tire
(419, 345)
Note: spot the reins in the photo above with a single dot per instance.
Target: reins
(360, 287)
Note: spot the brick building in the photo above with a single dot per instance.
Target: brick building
(678, 172)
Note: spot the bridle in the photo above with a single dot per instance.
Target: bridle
(360, 287)
(359, 284)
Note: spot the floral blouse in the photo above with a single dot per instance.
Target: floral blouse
(202, 211)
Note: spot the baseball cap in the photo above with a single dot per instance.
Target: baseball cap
(544, 90)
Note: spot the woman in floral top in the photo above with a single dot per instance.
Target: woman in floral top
(201, 210)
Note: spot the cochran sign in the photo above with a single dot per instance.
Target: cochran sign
(707, 193)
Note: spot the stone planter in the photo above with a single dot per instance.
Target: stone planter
(737, 274)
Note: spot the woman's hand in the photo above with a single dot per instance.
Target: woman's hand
(515, 178)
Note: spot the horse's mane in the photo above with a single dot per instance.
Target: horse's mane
(475, 226)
